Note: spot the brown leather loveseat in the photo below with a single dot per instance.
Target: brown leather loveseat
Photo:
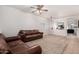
(29, 35)
(14, 45)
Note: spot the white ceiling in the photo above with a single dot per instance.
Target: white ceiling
(56, 11)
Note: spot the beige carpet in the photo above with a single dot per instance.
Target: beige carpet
(53, 44)
(72, 45)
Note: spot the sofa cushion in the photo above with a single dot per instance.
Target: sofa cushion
(18, 47)
(3, 46)
(32, 32)
(35, 35)
(13, 38)
(28, 32)
(15, 43)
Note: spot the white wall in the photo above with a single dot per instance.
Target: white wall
(12, 20)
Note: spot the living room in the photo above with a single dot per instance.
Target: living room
(56, 28)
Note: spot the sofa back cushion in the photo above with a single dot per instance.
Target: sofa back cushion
(3, 46)
(2, 36)
(28, 32)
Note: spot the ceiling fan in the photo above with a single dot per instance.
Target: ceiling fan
(39, 9)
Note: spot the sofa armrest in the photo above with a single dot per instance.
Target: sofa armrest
(36, 49)
(13, 38)
(41, 32)
(21, 34)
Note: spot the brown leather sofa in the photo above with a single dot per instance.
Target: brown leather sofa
(14, 45)
(29, 35)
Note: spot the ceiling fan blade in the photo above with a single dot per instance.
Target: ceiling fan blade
(40, 6)
(44, 10)
(34, 11)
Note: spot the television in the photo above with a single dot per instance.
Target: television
(70, 31)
